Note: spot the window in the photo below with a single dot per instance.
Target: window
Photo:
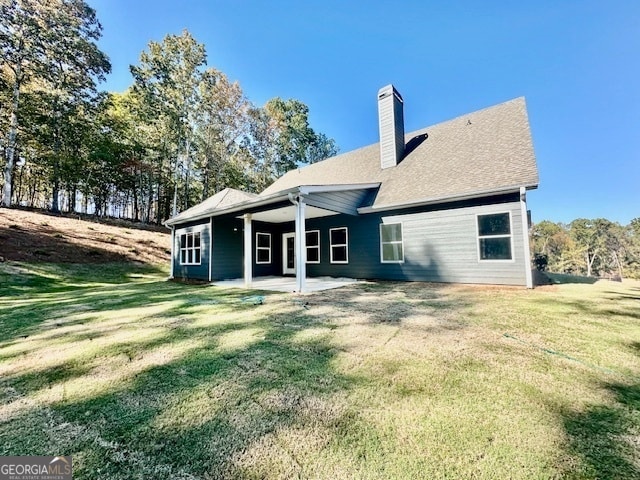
(190, 250)
(313, 246)
(391, 244)
(494, 236)
(338, 240)
(263, 247)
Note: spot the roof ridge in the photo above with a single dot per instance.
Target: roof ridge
(463, 115)
(226, 192)
(418, 131)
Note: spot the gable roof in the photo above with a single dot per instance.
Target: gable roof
(478, 154)
(221, 200)
(483, 152)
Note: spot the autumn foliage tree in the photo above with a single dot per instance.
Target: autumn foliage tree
(182, 131)
(591, 247)
(49, 48)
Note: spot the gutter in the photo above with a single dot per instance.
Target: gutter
(307, 189)
(437, 200)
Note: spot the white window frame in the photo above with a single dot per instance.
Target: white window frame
(345, 245)
(382, 260)
(510, 235)
(316, 247)
(186, 249)
(258, 248)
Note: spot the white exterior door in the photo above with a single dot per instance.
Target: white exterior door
(289, 254)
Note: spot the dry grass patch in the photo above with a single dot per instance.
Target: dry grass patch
(138, 377)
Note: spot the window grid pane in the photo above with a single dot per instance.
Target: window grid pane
(263, 248)
(498, 248)
(391, 233)
(391, 242)
(313, 255)
(339, 236)
(190, 248)
(494, 237)
(392, 252)
(264, 240)
(312, 239)
(495, 224)
(339, 252)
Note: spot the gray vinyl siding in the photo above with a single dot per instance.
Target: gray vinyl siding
(199, 272)
(439, 246)
(227, 248)
(275, 266)
(444, 246)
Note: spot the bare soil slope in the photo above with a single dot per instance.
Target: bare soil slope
(30, 236)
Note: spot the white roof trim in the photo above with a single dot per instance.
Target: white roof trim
(307, 189)
(436, 200)
(269, 199)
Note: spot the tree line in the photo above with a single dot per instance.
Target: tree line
(181, 132)
(591, 247)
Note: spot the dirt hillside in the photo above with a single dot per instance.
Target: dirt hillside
(39, 237)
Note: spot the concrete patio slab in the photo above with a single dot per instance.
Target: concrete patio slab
(288, 284)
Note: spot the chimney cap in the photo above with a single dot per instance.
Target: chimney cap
(389, 90)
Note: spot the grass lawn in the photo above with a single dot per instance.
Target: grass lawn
(137, 377)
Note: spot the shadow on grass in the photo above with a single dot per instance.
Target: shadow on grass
(390, 303)
(619, 306)
(607, 438)
(628, 296)
(33, 296)
(18, 278)
(212, 411)
(241, 391)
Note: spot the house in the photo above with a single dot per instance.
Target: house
(443, 204)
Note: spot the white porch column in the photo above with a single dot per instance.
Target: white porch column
(248, 251)
(301, 246)
(525, 236)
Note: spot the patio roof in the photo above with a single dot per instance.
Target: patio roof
(316, 197)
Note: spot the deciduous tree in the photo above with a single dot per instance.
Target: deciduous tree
(53, 41)
(168, 79)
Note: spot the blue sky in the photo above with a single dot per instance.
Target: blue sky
(576, 62)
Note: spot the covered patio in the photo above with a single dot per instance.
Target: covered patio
(261, 242)
(298, 204)
(288, 284)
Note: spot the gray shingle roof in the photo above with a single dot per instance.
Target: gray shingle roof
(222, 199)
(488, 150)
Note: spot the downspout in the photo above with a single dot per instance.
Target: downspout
(210, 248)
(300, 241)
(173, 244)
(525, 236)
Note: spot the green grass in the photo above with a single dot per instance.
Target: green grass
(137, 377)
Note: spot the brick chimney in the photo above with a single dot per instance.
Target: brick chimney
(391, 120)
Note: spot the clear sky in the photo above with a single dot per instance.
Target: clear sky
(576, 62)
